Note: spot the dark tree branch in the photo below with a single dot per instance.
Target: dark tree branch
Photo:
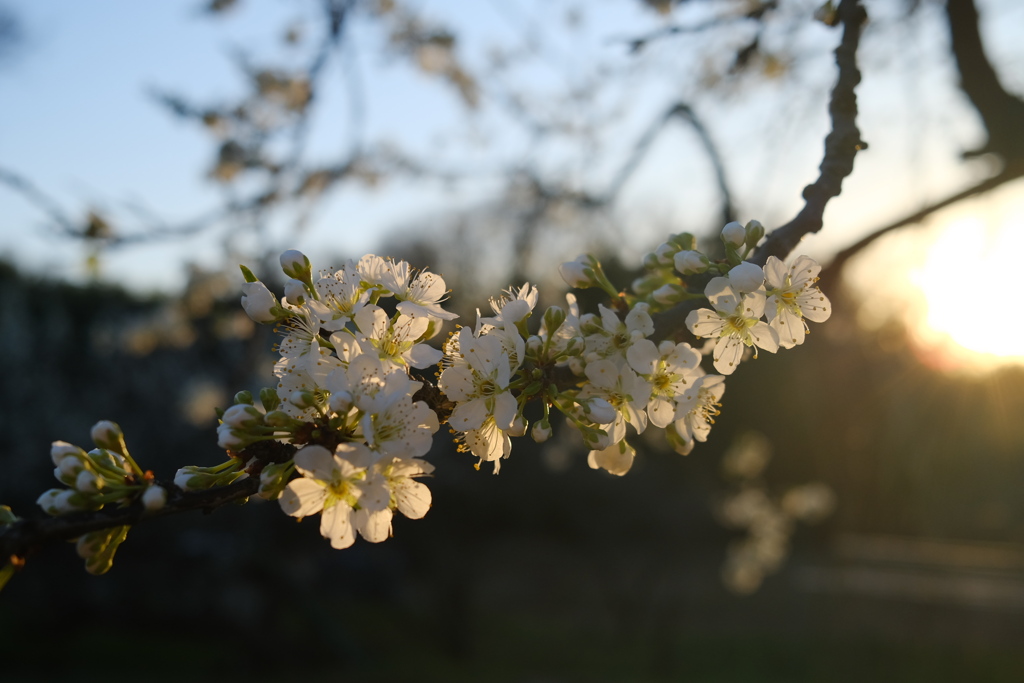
(1001, 113)
(841, 146)
(26, 536)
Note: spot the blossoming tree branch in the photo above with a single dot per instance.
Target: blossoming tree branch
(361, 393)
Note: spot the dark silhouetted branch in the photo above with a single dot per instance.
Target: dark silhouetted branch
(25, 536)
(841, 144)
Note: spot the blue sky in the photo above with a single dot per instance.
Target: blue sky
(78, 123)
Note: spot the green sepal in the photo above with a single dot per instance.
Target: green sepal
(247, 274)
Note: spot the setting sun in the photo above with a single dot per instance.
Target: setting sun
(952, 286)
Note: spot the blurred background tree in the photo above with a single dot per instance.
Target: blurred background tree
(491, 141)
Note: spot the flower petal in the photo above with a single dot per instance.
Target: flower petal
(336, 525)
(302, 497)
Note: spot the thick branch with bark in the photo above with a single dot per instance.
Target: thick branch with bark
(1001, 113)
(841, 146)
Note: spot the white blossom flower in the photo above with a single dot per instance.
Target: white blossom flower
(410, 497)
(793, 298)
(423, 297)
(697, 408)
(616, 459)
(624, 390)
(329, 485)
(735, 322)
(341, 297)
(368, 384)
(479, 385)
(669, 369)
(294, 375)
(404, 428)
(490, 443)
(513, 306)
(613, 337)
(301, 342)
(394, 341)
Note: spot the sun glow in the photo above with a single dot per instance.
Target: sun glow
(953, 285)
(968, 279)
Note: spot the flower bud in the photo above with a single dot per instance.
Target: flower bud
(60, 501)
(690, 262)
(533, 345)
(62, 449)
(669, 294)
(242, 415)
(295, 292)
(97, 548)
(229, 438)
(101, 458)
(244, 397)
(188, 478)
(650, 261)
(339, 402)
(518, 427)
(154, 498)
(278, 418)
(273, 479)
(541, 431)
(733, 233)
(88, 482)
(665, 253)
(295, 265)
(70, 467)
(553, 319)
(684, 241)
(755, 231)
(258, 302)
(106, 434)
(598, 410)
(746, 277)
(269, 399)
(578, 273)
(302, 399)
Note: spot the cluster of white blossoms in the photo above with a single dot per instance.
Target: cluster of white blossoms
(343, 433)
(344, 396)
(616, 378)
